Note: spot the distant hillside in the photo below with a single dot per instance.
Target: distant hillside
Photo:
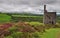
(22, 13)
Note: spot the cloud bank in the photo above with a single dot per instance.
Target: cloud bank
(33, 6)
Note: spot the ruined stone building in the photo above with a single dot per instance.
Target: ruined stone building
(49, 17)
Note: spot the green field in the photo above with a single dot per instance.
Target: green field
(24, 18)
(31, 25)
(4, 18)
(51, 33)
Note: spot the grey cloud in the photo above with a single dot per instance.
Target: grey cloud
(29, 5)
(28, 2)
(33, 2)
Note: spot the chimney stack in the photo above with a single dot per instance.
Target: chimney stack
(44, 7)
(45, 11)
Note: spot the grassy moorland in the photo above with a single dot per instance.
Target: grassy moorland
(4, 18)
(26, 26)
(51, 33)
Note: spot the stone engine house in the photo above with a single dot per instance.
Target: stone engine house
(49, 17)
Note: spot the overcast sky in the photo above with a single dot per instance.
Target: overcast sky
(35, 6)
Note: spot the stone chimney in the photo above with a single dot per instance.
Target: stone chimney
(44, 7)
(45, 11)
